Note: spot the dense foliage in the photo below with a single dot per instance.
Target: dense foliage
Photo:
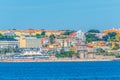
(52, 38)
(66, 54)
(91, 37)
(68, 32)
(93, 31)
(9, 50)
(111, 36)
(2, 36)
(38, 35)
(43, 33)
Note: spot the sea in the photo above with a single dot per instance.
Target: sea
(109, 70)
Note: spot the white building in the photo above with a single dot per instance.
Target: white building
(80, 35)
(9, 43)
(8, 33)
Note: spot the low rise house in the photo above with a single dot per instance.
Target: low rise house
(44, 41)
(96, 44)
(32, 52)
(81, 47)
(64, 42)
(72, 35)
(55, 45)
(100, 35)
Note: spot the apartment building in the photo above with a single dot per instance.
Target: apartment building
(9, 43)
(29, 42)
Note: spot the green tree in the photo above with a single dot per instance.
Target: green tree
(91, 37)
(3, 51)
(105, 38)
(38, 35)
(93, 31)
(52, 38)
(14, 29)
(68, 32)
(112, 36)
(100, 50)
(66, 54)
(11, 36)
(60, 55)
(1, 36)
(43, 34)
(71, 53)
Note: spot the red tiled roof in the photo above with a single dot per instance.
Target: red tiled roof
(72, 35)
(56, 43)
(42, 39)
(96, 43)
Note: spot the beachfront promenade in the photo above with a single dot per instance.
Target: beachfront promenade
(52, 58)
(57, 60)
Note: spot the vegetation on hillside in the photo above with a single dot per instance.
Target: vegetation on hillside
(93, 31)
(65, 54)
(52, 38)
(2, 36)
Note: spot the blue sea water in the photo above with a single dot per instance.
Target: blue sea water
(60, 71)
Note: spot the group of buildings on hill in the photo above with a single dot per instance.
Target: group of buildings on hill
(30, 32)
(27, 41)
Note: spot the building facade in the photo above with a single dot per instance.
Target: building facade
(9, 43)
(80, 35)
(29, 42)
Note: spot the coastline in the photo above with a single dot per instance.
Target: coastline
(58, 60)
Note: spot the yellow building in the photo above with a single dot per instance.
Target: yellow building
(29, 42)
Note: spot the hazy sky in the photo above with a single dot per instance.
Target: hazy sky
(59, 14)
